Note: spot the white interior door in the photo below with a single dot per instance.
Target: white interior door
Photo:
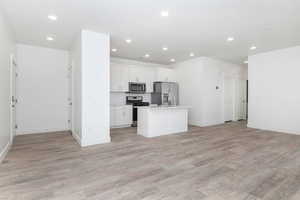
(228, 99)
(242, 99)
(13, 102)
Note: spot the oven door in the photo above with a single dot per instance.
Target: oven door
(137, 87)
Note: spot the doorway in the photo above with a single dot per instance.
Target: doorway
(229, 91)
(70, 97)
(241, 99)
(235, 99)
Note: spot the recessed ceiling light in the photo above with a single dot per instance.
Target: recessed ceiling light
(128, 40)
(192, 54)
(164, 13)
(172, 60)
(147, 56)
(246, 61)
(114, 50)
(165, 48)
(253, 48)
(52, 17)
(230, 39)
(50, 38)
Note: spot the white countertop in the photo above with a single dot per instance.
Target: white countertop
(115, 105)
(162, 107)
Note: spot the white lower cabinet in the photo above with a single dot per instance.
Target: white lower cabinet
(120, 116)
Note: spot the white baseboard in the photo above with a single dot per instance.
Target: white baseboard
(121, 126)
(249, 125)
(27, 132)
(4, 151)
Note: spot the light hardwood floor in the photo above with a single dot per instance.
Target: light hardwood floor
(222, 162)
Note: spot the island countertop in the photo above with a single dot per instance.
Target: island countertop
(162, 107)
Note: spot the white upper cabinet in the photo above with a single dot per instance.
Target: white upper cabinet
(137, 74)
(122, 73)
(165, 75)
(118, 78)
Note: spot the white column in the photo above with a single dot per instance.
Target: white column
(95, 62)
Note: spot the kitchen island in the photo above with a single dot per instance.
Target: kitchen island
(162, 120)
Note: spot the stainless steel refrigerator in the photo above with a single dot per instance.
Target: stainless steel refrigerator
(165, 93)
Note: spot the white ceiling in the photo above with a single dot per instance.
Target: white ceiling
(199, 26)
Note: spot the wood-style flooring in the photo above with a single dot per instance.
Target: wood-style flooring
(226, 162)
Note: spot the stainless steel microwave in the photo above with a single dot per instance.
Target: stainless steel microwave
(137, 87)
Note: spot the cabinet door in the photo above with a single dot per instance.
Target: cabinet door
(112, 117)
(118, 116)
(136, 74)
(124, 78)
(165, 75)
(127, 114)
(114, 77)
(118, 78)
(149, 78)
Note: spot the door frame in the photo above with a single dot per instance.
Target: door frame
(13, 96)
(70, 96)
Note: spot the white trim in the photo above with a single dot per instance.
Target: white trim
(135, 62)
(5, 151)
(13, 81)
(121, 126)
(249, 125)
(77, 138)
(20, 132)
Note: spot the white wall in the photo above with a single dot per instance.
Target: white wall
(7, 47)
(90, 57)
(198, 81)
(75, 58)
(42, 89)
(274, 97)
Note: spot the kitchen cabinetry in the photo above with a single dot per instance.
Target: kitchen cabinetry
(165, 75)
(120, 116)
(121, 74)
(119, 78)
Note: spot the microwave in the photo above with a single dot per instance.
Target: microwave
(137, 87)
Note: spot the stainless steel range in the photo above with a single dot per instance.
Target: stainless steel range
(135, 101)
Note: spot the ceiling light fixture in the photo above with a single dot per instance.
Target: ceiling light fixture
(165, 48)
(230, 39)
(192, 54)
(164, 13)
(253, 48)
(128, 41)
(52, 17)
(147, 56)
(172, 60)
(114, 50)
(50, 38)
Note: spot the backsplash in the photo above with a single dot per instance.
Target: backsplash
(119, 98)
